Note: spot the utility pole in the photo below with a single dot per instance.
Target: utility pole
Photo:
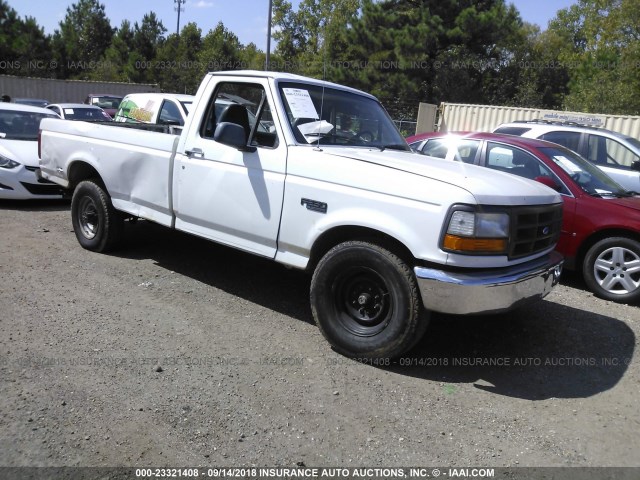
(268, 59)
(179, 8)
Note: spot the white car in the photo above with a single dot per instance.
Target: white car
(80, 111)
(155, 108)
(615, 154)
(19, 126)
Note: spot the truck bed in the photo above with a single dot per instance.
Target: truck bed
(135, 164)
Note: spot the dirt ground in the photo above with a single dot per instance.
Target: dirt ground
(174, 351)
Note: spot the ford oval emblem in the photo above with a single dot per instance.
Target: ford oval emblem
(546, 231)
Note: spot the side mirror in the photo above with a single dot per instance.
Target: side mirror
(232, 135)
(549, 182)
(635, 166)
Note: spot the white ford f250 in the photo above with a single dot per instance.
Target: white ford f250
(315, 176)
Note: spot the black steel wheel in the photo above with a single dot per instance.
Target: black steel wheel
(97, 225)
(365, 301)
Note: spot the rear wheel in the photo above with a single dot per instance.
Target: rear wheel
(97, 225)
(611, 269)
(365, 301)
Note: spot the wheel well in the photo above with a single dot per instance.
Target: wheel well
(79, 171)
(337, 235)
(601, 235)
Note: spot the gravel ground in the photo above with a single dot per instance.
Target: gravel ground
(174, 351)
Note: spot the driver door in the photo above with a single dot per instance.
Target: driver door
(225, 194)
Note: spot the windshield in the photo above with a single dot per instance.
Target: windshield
(86, 114)
(106, 101)
(16, 125)
(330, 116)
(588, 177)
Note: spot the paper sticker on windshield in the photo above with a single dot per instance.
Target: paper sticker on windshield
(300, 103)
(68, 111)
(313, 130)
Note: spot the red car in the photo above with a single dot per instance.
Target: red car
(601, 222)
(109, 103)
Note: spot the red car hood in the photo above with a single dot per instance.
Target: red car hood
(630, 202)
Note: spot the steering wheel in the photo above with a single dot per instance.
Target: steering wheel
(365, 136)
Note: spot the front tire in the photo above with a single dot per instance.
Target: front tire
(365, 301)
(611, 269)
(97, 225)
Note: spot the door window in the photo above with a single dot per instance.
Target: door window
(244, 104)
(513, 160)
(571, 140)
(170, 114)
(462, 150)
(605, 151)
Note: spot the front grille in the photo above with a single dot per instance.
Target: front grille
(534, 229)
(43, 189)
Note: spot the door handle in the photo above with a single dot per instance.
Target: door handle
(195, 152)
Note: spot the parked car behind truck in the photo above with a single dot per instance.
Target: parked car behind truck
(601, 226)
(615, 154)
(19, 154)
(154, 108)
(79, 112)
(386, 238)
(108, 102)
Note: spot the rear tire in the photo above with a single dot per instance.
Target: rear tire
(365, 301)
(611, 269)
(97, 225)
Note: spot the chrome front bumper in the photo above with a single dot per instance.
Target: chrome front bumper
(465, 292)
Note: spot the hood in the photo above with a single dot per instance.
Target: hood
(630, 202)
(489, 187)
(22, 151)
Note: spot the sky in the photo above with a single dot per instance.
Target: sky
(245, 18)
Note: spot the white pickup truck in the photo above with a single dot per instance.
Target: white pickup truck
(315, 176)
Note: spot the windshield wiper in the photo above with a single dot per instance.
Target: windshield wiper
(608, 194)
(393, 146)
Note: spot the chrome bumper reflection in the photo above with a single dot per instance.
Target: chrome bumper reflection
(486, 292)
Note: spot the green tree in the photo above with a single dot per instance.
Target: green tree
(541, 77)
(131, 55)
(119, 59)
(406, 51)
(83, 37)
(251, 57)
(314, 36)
(177, 65)
(599, 43)
(24, 48)
(221, 50)
(147, 38)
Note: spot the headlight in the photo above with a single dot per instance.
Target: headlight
(471, 232)
(8, 163)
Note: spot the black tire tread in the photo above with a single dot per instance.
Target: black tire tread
(418, 318)
(111, 230)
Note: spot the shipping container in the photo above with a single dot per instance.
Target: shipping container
(484, 118)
